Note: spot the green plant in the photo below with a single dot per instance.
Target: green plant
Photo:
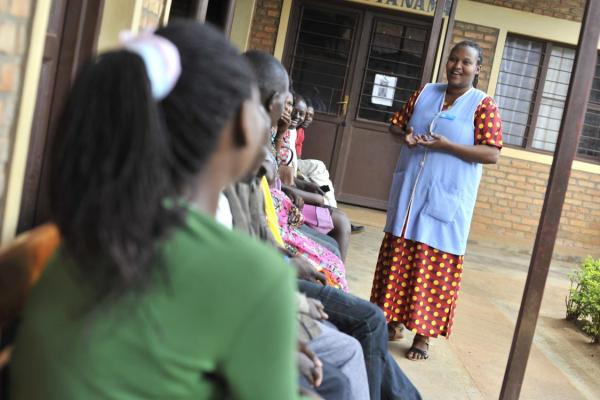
(583, 301)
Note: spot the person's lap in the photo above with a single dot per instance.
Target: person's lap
(343, 352)
(365, 322)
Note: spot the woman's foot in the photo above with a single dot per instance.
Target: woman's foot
(419, 349)
(395, 331)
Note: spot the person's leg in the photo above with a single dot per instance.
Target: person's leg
(360, 319)
(365, 322)
(341, 231)
(395, 384)
(335, 385)
(345, 353)
(316, 171)
(322, 239)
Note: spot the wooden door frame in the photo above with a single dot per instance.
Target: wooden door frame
(201, 10)
(77, 44)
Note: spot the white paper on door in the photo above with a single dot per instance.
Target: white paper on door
(384, 88)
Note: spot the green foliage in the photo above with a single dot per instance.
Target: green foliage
(583, 301)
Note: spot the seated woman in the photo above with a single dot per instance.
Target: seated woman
(309, 192)
(137, 303)
(290, 220)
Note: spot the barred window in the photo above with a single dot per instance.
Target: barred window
(532, 91)
(590, 137)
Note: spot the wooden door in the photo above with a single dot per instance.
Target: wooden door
(70, 41)
(391, 56)
(357, 66)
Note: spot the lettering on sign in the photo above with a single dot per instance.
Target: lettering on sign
(427, 6)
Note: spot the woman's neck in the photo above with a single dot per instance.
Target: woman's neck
(207, 186)
(456, 91)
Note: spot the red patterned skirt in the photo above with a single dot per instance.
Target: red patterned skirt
(417, 285)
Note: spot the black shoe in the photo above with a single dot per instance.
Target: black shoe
(357, 228)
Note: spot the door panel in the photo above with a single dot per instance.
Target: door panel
(321, 145)
(70, 41)
(368, 167)
(394, 51)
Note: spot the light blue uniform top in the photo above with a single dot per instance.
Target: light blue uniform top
(439, 188)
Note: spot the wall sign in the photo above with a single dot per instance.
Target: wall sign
(423, 6)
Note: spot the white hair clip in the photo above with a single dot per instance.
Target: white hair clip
(161, 58)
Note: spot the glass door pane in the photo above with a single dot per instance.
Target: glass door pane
(393, 68)
(322, 57)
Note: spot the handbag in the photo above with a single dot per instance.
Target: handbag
(318, 218)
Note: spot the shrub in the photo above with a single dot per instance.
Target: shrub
(583, 301)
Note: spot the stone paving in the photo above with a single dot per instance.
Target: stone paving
(562, 365)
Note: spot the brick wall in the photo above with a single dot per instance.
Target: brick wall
(152, 11)
(486, 37)
(510, 202)
(15, 18)
(265, 25)
(564, 9)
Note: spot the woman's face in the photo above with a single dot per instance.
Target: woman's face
(310, 113)
(298, 114)
(462, 67)
(278, 104)
(257, 136)
(288, 106)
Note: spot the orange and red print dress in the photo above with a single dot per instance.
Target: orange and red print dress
(415, 284)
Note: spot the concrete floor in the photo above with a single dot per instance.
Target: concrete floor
(562, 365)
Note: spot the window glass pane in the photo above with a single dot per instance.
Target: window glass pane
(516, 86)
(589, 146)
(321, 57)
(553, 99)
(393, 70)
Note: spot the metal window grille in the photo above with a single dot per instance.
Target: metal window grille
(531, 92)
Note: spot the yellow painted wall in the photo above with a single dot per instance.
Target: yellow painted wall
(24, 120)
(242, 23)
(118, 15)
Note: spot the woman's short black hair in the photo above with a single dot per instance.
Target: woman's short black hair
(121, 161)
(271, 76)
(477, 48)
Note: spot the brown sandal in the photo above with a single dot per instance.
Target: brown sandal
(415, 350)
(395, 332)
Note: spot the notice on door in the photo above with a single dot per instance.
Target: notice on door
(384, 88)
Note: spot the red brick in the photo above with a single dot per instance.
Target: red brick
(8, 77)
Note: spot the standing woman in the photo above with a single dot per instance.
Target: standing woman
(448, 131)
(147, 296)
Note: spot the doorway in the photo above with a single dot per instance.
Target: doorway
(70, 41)
(357, 65)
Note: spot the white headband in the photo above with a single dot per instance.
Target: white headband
(161, 58)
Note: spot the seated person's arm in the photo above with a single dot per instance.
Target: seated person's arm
(308, 186)
(309, 198)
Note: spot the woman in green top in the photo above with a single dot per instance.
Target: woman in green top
(147, 297)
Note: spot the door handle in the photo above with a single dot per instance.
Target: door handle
(344, 104)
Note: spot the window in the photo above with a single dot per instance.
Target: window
(322, 57)
(394, 67)
(589, 146)
(532, 90)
